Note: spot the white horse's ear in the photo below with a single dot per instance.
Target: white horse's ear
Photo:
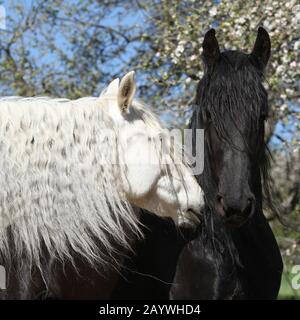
(112, 89)
(126, 91)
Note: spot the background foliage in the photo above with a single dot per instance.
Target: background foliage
(73, 48)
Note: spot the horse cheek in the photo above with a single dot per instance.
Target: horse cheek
(141, 175)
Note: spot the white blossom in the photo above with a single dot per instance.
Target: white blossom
(213, 11)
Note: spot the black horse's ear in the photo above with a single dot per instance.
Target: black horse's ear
(262, 46)
(211, 51)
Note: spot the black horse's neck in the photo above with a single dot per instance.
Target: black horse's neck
(261, 263)
(231, 263)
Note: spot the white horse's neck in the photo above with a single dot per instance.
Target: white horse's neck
(58, 186)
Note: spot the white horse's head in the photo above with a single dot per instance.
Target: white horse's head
(151, 177)
(65, 183)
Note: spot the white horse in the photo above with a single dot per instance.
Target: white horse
(71, 169)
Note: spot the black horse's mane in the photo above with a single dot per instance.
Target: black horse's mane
(232, 87)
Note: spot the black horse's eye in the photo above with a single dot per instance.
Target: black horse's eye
(207, 116)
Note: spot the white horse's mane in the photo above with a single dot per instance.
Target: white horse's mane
(79, 201)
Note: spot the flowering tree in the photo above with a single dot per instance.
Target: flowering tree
(72, 47)
(62, 48)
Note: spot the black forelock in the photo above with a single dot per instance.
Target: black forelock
(232, 87)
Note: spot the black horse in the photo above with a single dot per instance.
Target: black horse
(235, 256)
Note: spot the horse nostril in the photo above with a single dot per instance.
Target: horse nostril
(249, 203)
(220, 200)
(221, 205)
(249, 208)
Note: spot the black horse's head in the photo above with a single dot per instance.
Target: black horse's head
(232, 105)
